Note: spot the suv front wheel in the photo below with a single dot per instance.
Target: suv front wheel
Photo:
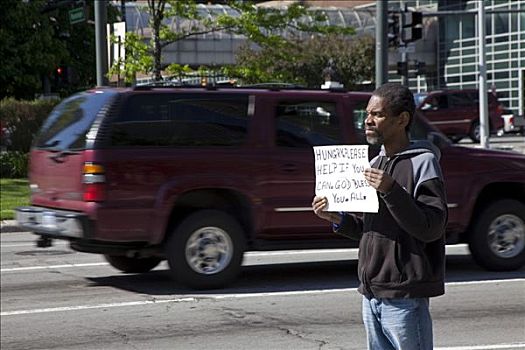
(206, 250)
(497, 241)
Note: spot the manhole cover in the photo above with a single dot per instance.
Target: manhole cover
(45, 252)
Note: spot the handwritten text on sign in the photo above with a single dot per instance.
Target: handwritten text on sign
(339, 176)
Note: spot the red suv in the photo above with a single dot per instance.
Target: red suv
(456, 112)
(199, 176)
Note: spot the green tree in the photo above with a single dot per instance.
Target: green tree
(28, 48)
(261, 25)
(36, 38)
(352, 56)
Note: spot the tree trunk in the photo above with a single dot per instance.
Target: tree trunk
(156, 8)
(157, 54)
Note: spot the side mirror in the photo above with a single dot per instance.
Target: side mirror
(427, 106)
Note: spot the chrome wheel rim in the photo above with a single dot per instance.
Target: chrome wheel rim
(209, 250)
(506, 236)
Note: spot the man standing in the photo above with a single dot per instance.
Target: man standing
(402, 246)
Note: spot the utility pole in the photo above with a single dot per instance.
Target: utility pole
(381, 42)
(483, 91)
(483, 98)
(101, 42)
(123, 13)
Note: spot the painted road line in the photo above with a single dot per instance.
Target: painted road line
(99, 306)
(51, 267)
(485, 347)
(174, 300)
(17, 245)
(197, 297)
(247, 255)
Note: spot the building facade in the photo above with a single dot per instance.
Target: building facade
(449, 47)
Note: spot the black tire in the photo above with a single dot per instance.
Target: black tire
(474, 132)
(132, 265)
(455, 138)
(497, 241)
(206, 250)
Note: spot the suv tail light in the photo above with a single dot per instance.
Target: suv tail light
(94, 182)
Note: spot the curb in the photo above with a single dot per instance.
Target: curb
(9, 226)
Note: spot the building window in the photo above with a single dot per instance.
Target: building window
(501, 23)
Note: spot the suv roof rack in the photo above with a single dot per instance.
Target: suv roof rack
(171, 84)
(215, 85)
(274, 86)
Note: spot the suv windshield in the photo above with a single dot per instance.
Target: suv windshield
(67, 125)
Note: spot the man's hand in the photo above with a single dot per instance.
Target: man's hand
(319, 204)
(379, 179)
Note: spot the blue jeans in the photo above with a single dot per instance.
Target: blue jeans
(397, 324)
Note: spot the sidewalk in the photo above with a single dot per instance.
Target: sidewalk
(9, 226)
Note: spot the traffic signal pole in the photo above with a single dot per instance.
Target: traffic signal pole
(403, 48)
(483, 91)
(101, 42)
(483, 97)
(381, 42)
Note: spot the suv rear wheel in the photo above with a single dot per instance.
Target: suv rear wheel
(497, 241)
(206, 250)
(132, 265)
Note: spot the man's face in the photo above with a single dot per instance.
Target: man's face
(380, 127)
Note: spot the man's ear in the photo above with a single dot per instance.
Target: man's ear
(404, 119)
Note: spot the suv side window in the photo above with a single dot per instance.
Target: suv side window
(460, 100)
(68, 124)
(442, 101)
(492, 100)
(186, 120)
(359, 117)
(306, 124)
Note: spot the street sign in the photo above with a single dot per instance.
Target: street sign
(77, 15)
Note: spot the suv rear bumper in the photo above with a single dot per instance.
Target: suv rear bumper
(54, 223)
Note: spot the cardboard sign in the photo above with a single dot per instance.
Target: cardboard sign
(339, 176)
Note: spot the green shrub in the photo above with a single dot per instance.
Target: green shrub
(23, 119)
(13, 164)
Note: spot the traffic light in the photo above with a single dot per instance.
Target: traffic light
(420, 68)
(62, 76)
(393, 29)
(411, 22)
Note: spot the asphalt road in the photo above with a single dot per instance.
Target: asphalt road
(55, 298)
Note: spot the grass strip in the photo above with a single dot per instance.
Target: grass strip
(13, 193)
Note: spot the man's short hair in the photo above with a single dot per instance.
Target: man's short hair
(397, 99)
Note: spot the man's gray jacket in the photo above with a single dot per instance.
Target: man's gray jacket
(402, 247)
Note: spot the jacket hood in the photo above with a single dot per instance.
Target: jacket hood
(416, 147)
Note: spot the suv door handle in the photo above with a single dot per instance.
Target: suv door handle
(289, 167)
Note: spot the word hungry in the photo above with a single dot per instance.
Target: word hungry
(338, 153)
